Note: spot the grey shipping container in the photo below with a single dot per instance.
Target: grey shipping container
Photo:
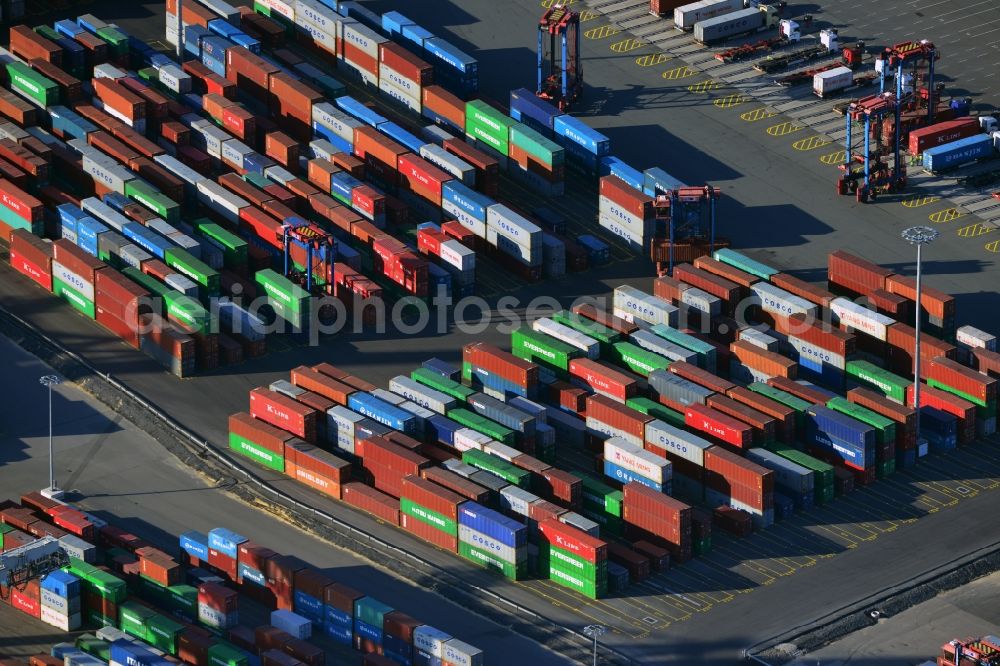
(728, 25)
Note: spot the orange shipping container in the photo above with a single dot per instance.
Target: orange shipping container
(120, 99)
(28, 44)
(766, 362)
(445, 104)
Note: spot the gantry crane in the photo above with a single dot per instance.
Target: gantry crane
(38, 559)
(913, 88)
(876, 173)
(560, 73)
(315, 241)
(685, 213)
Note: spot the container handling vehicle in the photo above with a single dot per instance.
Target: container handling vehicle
(828, 44)
(850, 56)
(560, 71)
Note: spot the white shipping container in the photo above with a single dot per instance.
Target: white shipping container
(861, 318)
(234, 152)
(12, 132)
(314, 13)
(517, 228)
(326, 39)
(403, 84)
(182, 284)
(793, 476)
(453, 164)
(422, 395)
(832, 80)
(340, 423)
(54, 618)
(322, 149)
(364, 38)
(517, 500)
(108, 71)
(179, 169)
(474, 225)
(429, 639)
(581, 523)
(225, 10)
(104, 213)
(398, 94)
(759, 339)
(501, 450)
(133, 255)
(648, 308)
(175, 79)
(209, 137)
(654, 343)
(499, 550)
(60, 605)
(972, 337)
(778, 301)
(287, 621)
(634, 223)
(457, 653)
(74, 280)
(687, 15)
(467, 438)
(457, 255)
(340, 123)
(241, 321)
(172, 27)
(811, 352)
(529, 256)
(637, 242)
(599, 428)
(113, 177)
(563, 333)
(221, 200)
(636, 459)
(679, 442)
(286, 9)
(701, 300)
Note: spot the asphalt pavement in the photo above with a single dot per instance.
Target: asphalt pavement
(120, 473)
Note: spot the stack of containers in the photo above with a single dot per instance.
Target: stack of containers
(863, 373)
(625, 211)
(488, 129)
(734, 481)
(606, 417)
(360, 46)
(455, 70)
(584, 146)
(285, 413)
(514, 235)
(979, 389)
(486, 366)
(790, 478)
(903, 416)
(657, 518)
(545, 350)
(632, 304)
(402, 75)
(719, 426)
(842, 440)
(626, 462)
(492, 540)
(821, 350)
(32, 257)
(536, 161)
(60, 601)
(885, 433)
(289, 301)
(223, 550)
(19, 210)
(255, 439)
(572, 558)
(938, 308)
(73, 276)
(430, 512)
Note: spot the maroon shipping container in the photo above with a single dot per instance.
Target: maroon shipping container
(271, 438)
(738, 471)
(317, 402)
(124, 298)
(283, 412)
(816, 332)
(292, 101)
(810, 292)
(401, 61)
(542, 510)
(487, 168)
(432, 496)
(659, 558)
(69, 86)
(280, 577)
(617, 416)
(892, 305)
(963, 410)
(576, 541)
(715, 285)
(428, 533)
(937, 303)
(954, 375)
(278, 658)
(304, 652)
(736, 522)
(704, 378)
(254, 556)
(986, 362)
(218, 597)
(603, 378)
(76, 260)
(903, 415)
(457, 484)
(799, 390)
(765, 427)
(116, 96)
(29, 45)
(848, 269)
(249, 72)
(567, 396)
(374, 502)
(17, 109)
(341, 597)
(192, 646)
(719, 425)
(227, 565)
(603, 318)
(560, 485)
(629, 199)
(766, 362)
(784, 416)
(902, 345)
(939, 134)
(731, 273)
(315, 381)
(638, 566)
(127, 331)
(504, 364)
(381, 451)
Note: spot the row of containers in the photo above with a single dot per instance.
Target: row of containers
(141, 602)
(709, 420)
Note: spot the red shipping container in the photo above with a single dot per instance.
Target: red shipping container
(817, 333)
(457, 484)
(445, 104)
(727, 290)
(731, 273)
(293, 98)
(192, 646)
(487, 168)
(124, 293)
(807, 393)
(27, 600)
(769, 363)
(69, 86)
(506, 365)
(431, 496)
(76, 260)
(784, 416)
(254, 556)
(668, 512)
(283, 412)
(381, 451)
(28, 44)
(902, 345)
(955, 375)
(218, 597)
(161, 568)
(903, 415)
(192, 14)
(693, 373)
(429, 241)
(963, 410)
(603, 378)
(638, 566)
(315, 381)
(630, 200)
(116, 96)
(986, 362)
(20, 202)
(719, 425)
(939, 134)
(618, 416)
(617, 323)
(542, 510)
(370, 143)
(374, 502)
(227, 565)
(937, 303)
(845, 268)
(428, 533)
(267, 436)
(576, 541)
(249, 72)
(422, 177)
(40, 273)
(127, 331)
(398, 59)
(765, 426)
(368, 201)
(738, 471)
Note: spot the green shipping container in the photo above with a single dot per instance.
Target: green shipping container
(964, 396)
(115, 39)
(484, 425)
(543, 349)
(234, 249)
(32, 85)
(73, 297)
(568, 561)
(602, 496)
(546, 151)
(466, 372)
(885, 428)
(823, 478)
(208, 279)
(222, 654)
(154, 200)
(371, 611)
(610, 525)
(705, 351)
(744, 263)
(162, 633)
(133, 619)
(507, 471)
(94, 618)
(425, 515)
(289, 301)
(575, 582)
(893, 386)
(604, 335)
(638, 360)
(94, 646)
(433, 380)
(189, 312)
(787, 399)
(257, 453)
(183, 598)
(656, 410)
(490, 561)
(486, 124)
(147, 282)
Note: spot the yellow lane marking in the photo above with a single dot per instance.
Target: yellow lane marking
(993, 246)
(729, 101)
(626, 45)
(973, 230)
(946, 215)
(588, 15)
(652, 59)
(681, 72)
(811, 143)
(548, 3)
(837, 157)
(781, 129)
(601, 32)
(916, 200)
(757, 114)
(703, 86)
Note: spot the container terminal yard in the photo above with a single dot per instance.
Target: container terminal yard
(632, 291)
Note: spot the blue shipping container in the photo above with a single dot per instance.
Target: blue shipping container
(124, 651)
(612, 166)
(451, 55)
(495, 525)
(957, 153)
(441, 429)
(225, 541)
(337, 617)
(657, 181)
(417, 35)
(439, 119)
(397, 133)
(87, 232)
(247, 42)
(193, 34)
(250, 575)
(62, 584)
(382, 412)
(368, 632)
(359, 111)
(841, 426)
(150, 241)
(525, 104)
(68, 28)
(577, 132)
(850, 452)
(443, 368)
(622, 475)
(70, 123)
(464, 197)
(393, 23)
(308, 607)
